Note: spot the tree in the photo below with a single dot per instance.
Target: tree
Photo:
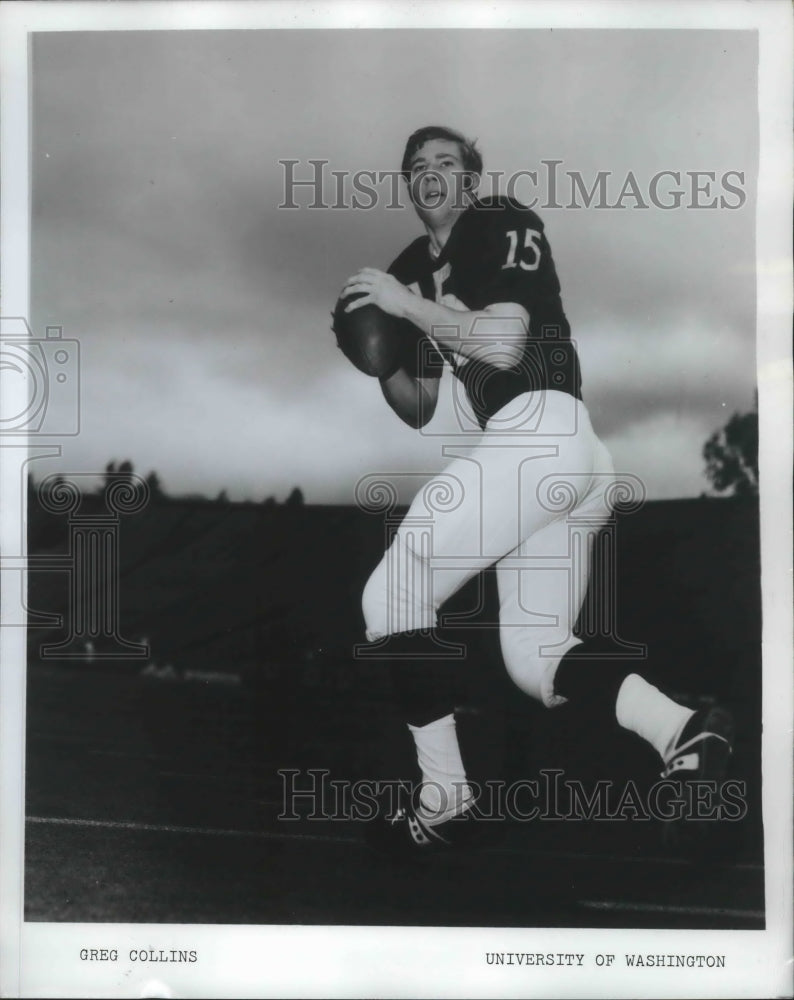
(114, 474)
(156, 491)
(295, 499)
(731, 456)
(123, 478)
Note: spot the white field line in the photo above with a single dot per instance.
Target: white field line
(107, 824)
(278, 835)
(700, 911)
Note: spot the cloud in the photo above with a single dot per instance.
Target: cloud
(662, 450)
(693, 367)
(159, 244)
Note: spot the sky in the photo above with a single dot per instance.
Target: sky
(202, 308)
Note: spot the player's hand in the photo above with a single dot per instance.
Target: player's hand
(378, 288)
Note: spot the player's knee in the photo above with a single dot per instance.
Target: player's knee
(374, 603)
(531, 671)
(525, 673)
(398, 595)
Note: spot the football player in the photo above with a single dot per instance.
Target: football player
(481, 287)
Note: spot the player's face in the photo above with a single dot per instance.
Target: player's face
(438, 181)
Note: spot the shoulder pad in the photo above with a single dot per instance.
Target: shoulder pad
(499, 210)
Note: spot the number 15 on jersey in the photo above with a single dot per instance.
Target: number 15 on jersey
(529, 258)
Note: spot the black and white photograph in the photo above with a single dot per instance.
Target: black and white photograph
(395, 450)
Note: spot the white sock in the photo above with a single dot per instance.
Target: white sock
(445, 790)
(644, 710)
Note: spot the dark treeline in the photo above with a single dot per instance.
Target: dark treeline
(119, 473)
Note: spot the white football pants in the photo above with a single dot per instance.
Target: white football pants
(529, 497)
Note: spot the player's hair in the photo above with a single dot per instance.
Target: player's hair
(469, 154)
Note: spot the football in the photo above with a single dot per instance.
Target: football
(368, 337)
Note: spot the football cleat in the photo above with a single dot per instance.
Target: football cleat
(703, 748)
(402, 835)
(699, 762)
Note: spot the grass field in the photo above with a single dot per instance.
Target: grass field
(154, 793)
(140, 808)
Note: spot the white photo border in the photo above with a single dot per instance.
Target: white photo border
(365, 961)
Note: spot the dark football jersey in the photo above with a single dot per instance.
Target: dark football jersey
(496, 252)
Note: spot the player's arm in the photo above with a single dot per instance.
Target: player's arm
(496, 334)
(413, 398)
